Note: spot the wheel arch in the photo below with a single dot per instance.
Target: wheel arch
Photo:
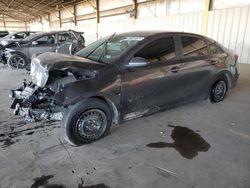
(19, 53)
(111, 105)
(226, 75)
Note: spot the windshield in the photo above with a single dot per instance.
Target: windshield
(30, 37)
(108, 49)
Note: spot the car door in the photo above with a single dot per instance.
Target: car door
(195, 68)
(78, 41)
(146, 89)
(64, 43)
(45, 43)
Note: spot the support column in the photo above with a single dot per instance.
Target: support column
(49, 21)
(26, 28)
(41, 21)
(4, 25)
(75, 21)
(135, 6)
(97, 12)
(205, 16)
(60, 20)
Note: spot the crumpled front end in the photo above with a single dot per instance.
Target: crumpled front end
(35, 103)
(50, 76)
(33, 100)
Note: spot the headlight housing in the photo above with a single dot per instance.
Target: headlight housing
(39, 74)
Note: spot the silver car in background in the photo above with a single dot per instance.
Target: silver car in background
(19, 54)
(15, 37)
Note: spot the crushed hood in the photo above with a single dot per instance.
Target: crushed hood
(51, 60)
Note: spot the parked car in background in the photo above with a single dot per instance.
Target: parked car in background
(18, 54)
(3, 33)
(123, 77)
(15, 37)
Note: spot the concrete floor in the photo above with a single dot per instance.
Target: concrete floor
(33, 155)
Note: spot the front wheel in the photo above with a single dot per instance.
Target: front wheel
(86, 121)
(17, 61)
(218, 91)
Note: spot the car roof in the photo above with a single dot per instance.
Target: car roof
(41, 33)
(157, 32)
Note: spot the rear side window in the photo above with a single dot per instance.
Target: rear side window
(62, 37)
(162, 49)
(193, 46)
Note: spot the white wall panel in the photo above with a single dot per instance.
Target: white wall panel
(228, 26)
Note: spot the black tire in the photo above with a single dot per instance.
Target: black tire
(84, 116)
(17, 61)
(218, 91)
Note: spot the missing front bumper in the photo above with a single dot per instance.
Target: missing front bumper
(32, 115)
(33, 105)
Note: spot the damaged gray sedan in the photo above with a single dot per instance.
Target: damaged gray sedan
(122, 77)
(18, 54)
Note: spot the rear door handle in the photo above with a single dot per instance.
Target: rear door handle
(174, 69)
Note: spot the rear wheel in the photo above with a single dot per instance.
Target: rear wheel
(17, 61)
(87, 121)
(218, 91)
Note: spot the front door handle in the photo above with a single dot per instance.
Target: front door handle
(174, 69)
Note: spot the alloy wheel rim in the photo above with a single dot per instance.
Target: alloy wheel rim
(18, 62)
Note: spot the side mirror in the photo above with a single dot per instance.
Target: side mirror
(137, 62)
(34, 43)
(13, 37)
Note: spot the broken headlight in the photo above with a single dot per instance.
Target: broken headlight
(39, 74)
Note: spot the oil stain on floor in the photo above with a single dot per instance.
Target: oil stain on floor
(43, 182)
(187, 142)
(9, 137)
(101, 185)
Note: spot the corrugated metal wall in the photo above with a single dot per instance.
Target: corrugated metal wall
(230, 27)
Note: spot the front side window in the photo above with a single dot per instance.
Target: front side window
(160, 50)
(47, 39)
(19, 35)
(108, 49)
(193, 46)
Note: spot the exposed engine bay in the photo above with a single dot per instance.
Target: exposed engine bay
(34, 100)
